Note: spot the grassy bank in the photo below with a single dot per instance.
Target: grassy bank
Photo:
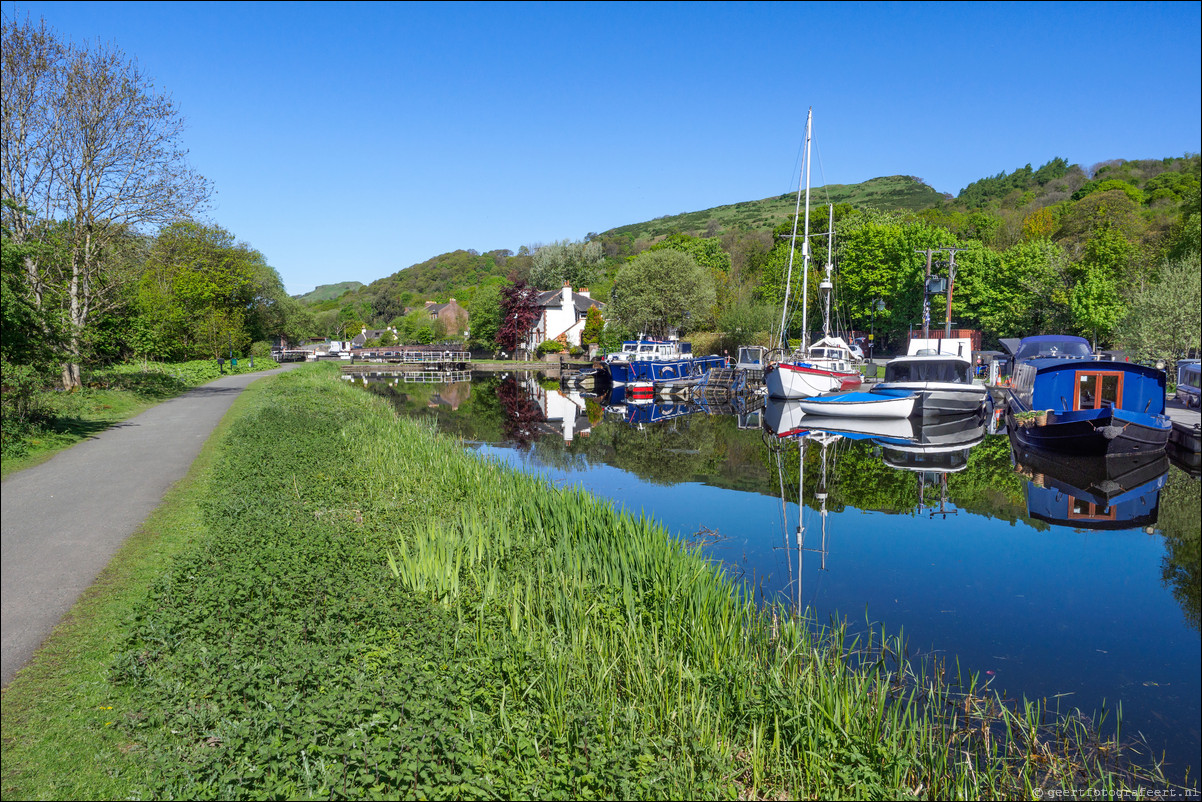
(112, 394)
(349, 605)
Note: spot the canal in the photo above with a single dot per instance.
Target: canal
(982, 556)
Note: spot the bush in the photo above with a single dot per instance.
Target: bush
(261, 350)
(549, 347)
(22, 384)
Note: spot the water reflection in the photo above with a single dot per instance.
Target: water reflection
(1040, 575)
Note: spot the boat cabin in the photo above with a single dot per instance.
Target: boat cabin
(947, 369)
(1189, 374)
(1052, 345)
(1066, 385)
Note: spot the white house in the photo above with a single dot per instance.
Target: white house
(562, 317)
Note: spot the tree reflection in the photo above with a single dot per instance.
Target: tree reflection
(1181, 524)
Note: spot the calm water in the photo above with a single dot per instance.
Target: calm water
(1046, 578)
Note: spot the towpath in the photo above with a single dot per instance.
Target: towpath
(62, 521)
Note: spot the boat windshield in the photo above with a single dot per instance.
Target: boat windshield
(646, 349)
(1029, 349)
(928, 370)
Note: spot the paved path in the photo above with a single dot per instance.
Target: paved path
(62, 521)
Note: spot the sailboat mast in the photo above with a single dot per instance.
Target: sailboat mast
(805, 245)
(827, 284)
(784, 313)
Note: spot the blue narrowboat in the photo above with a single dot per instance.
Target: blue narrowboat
(1064, 399)
(657, 361)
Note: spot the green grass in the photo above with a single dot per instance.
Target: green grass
(110, 395)
(360, 608)
(61, 737)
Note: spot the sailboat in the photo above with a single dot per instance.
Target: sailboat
(827, 365)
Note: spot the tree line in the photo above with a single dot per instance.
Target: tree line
(105, 256)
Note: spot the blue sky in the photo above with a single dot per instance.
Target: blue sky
(347, 141)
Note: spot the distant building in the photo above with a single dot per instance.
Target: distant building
(562, 318)
(366, 334)
(453, 316)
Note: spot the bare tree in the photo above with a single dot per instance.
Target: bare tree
(29, 119)
(99, 149)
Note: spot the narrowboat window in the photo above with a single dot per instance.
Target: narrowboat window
(1097, 390)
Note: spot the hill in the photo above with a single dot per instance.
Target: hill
(328, 292)
(890, 193)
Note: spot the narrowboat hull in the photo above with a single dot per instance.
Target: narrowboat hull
(1093, 432)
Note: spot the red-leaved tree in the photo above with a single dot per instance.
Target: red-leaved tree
(519, 310)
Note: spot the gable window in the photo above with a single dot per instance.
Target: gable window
(1098, 389)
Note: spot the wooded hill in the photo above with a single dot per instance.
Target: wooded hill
(1120, 217)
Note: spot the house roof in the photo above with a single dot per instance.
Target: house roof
(581, 302)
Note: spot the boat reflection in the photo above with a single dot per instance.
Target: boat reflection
(794, 537)
(1092, 492)
(642, 412)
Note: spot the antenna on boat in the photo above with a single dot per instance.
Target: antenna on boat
(827, 285)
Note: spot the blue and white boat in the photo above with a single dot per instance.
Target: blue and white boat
(658, 361)
(1092, 406)
(1091, 492)
(892, 405)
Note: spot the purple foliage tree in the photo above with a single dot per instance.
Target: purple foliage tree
(519, 310)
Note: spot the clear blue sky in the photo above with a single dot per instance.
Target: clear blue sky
(349, 141)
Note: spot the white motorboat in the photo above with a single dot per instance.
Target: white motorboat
(860, 405)
(942, 383)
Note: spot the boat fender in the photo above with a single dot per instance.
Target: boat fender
(1111, 432)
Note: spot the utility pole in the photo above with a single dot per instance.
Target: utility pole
(926, 296)
(951, 279)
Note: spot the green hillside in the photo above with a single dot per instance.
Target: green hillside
(329, 292)
(890, 193)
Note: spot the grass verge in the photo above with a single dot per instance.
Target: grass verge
(365, 610)
(110, 395)
(60, 737)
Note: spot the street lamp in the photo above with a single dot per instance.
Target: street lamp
(877, 306)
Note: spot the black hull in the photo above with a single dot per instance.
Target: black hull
(1096, 437)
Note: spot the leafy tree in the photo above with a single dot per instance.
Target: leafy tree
(1095, 304)
(594, 324)
(1163, 320)
(200, 290)
(1097, 212)
(1039, 224)
(658, 291)
(486, 314)
(880, 258)
(577, 263)
(709, 253)
(519, 310)
(109, 163)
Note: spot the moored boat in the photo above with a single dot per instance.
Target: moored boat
(1084, 405)
(860, 405)
(828, 364)
(942, 382)
(657, 361)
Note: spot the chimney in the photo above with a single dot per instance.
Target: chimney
(567, 294)
(583, 291)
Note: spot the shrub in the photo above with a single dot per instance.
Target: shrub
(549, 347)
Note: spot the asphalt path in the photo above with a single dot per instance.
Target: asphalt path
(62, 521)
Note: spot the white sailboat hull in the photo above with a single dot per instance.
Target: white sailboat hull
(800, 380)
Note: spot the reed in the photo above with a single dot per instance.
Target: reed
(545, 642)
